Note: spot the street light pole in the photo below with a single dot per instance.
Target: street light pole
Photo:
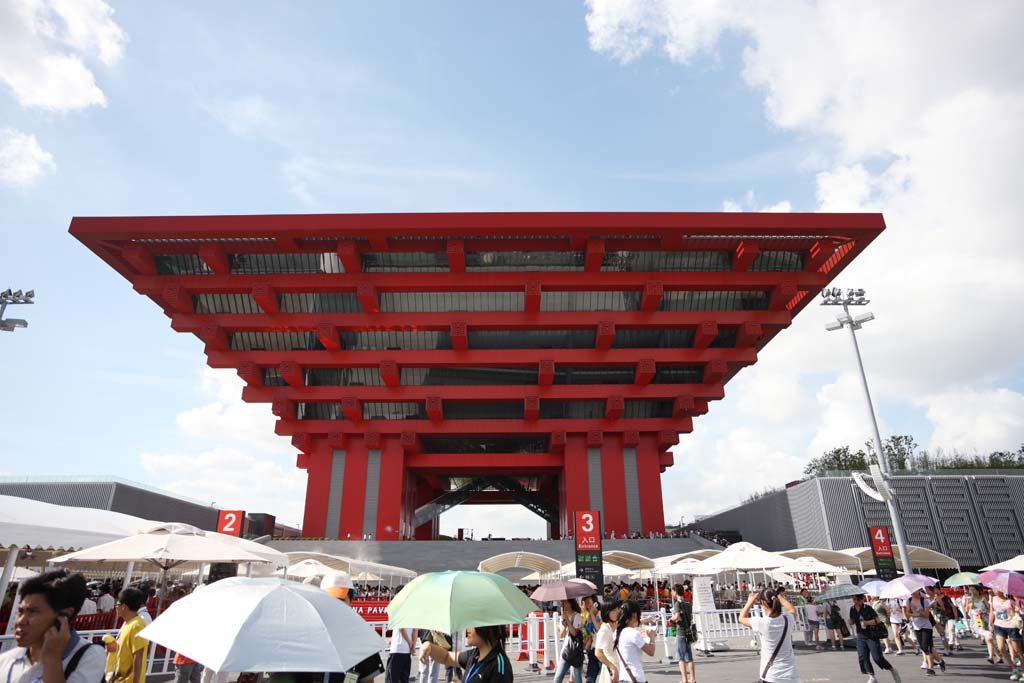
(7, 298)
(856, 297)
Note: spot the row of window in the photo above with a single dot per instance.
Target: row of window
(470, 376)
(488, 410)
(482, 302)
(417, 340)
(296, 263)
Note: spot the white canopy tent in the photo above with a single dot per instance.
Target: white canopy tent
(351, 565)
(921, 558)
(743, 556)
(542, 565)
(687, 566)
(832, 557)
(811, 565)
(1014, 564)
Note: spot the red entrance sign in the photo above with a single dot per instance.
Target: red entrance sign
(371, 610)
(230, 522)
(588, 531)
(880, 545)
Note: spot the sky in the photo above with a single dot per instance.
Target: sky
(912, 109)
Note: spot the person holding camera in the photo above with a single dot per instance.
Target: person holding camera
(49, 650)
(775, 631)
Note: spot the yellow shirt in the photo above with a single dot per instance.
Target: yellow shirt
(623, 594)
(128, 643)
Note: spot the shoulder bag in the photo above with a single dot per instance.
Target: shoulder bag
(573, 651)
(778, 646)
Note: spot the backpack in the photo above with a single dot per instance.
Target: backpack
(76, 658)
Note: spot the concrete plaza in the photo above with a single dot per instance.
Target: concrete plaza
(741, 666)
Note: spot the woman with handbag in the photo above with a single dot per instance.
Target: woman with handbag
(632, 643)
(775, 631)
(571, 631)
(1004, 619)
(870, 630)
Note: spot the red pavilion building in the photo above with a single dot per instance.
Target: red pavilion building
(422, 361)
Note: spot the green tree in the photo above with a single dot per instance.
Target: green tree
(837, 459)
(899, 450)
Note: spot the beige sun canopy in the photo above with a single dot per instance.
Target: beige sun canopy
(541, 564)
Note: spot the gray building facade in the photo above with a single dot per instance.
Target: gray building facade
(975, 517)
(113, 494)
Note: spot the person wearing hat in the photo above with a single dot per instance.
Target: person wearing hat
(339, 585)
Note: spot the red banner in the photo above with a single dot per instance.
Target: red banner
(880, 544)
(588, 531)
(230, 522)
(371, 610)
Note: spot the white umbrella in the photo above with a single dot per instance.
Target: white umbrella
(265, 624)
(903, 587)
(307, 568)
(811, 565)
(743, 556)
(1014, 564)
(166, 546)
(688, 566)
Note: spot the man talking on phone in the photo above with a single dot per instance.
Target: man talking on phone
(48, 648)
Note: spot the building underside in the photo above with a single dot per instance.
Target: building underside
(423, 361)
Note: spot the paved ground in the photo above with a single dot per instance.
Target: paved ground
(817, 667)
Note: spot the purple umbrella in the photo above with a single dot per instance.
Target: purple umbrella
(563, 590)
(1010, 583)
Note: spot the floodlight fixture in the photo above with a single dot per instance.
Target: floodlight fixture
(10, 324)
(6, 293)
(864, 318)
(832, 327)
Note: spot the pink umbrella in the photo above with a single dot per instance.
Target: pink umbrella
(1010, 583)
(926, 580)
(563, 590)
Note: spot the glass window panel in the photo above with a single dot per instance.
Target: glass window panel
(181, 264)
(641, 408)
(331, 302)
(532, 339)
(589, 374)
(778, 261)
(404, 261)
(590, 301)
(225, 303)
(460, 376)
(483, 444)
(396, 340)
(651, 261)
(393, 410)
(483, 410)
(285, 263)
(319, 411)
(679, 374)
(481, 261)
(574, 410)
(687, 300)
(343, 377)
(274, 341)
(652, 339)
(448, 302)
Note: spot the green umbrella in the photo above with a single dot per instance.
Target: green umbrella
(452, 601)
(840, 591)
(962, 579)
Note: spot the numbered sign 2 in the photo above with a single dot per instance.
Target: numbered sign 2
(230, 522)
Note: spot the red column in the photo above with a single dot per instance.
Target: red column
(353, 496)
(390, 496)
(574, 480)
(614, 486)
(648, 470)
(424, 494)
(318, 471)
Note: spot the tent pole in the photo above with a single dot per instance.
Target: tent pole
(128, 574)
(5, 579)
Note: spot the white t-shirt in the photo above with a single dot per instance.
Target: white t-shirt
(916, 603)
(630, 653)
(770, 630)
(15, 667)
(88, 607)
(106, 602)
(811, 612)
(146, 617)
(896, 611)
(605, 640)
(400, 645)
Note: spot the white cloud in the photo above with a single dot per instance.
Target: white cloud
(42, 45)
(917, 111)
(749, 203)
(246, 116)
(22, 160)
(982, 421)
(234, 457)
(500, 521)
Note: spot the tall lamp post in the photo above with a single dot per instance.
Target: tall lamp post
(834, 296)
(7, 298)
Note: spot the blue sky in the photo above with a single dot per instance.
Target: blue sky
(260, 108)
